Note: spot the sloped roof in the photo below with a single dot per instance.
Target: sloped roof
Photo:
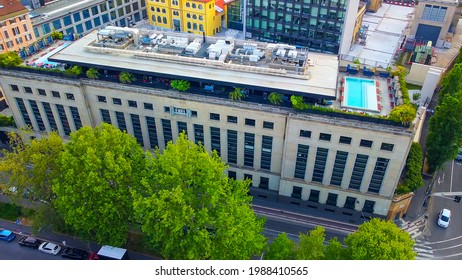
(11, 8)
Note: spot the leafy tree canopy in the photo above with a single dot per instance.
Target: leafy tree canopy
(282, 248)
(405, 113)
(311, 246)
(10, 59)
(190, 210)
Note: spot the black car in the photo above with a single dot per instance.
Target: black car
(74, 253)
(29, 241)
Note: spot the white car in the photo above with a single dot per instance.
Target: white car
(444, 218)
(49, 248)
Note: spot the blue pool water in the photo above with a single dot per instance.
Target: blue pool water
(44, 59)
(358, 91)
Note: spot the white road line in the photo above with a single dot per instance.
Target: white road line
(446, 248)
(425, 255)
(452, 173)
(447, 240)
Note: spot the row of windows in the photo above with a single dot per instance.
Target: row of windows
(130, 103)
(13, 20)
(248, 122)
(42, 92)
(346, 140)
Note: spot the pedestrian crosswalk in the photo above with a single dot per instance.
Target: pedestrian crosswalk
(415, 229)
(423, 250)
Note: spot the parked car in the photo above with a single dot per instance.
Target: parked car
(49, 248)
(29, 241)
(459, 155)
(444, 218)
(6, 235)
(74, 253)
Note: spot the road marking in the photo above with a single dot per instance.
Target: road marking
(447, 240)
(450, 247)
(452, 174)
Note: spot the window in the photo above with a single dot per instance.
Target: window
(249, 147)
(268, 125)
(332, 199)
(36, 113)
(55, 94)
(350, 203)
(94, 10)
(188, 5)
(232, 119)
(15, 31)
(320, 165)
(345, 140)
(365, 143)
(148, 106)
(152, 132)
(24, 26)
(50, 116)
(28, 89)
(42, 92)
(358, 171)
(79, 28)
(67, 20)
(23, 110)
(97, 21)
(18, 41)
(300, 163)
(7, 36)
(166, 109)
(266, 150)
(63, 118)
(232, 146)
(194, 114)
(120, 117)
(368, 206)
(76, 117)
(248, 177)
(76, 17)
(264, 183)
(14, 88)
(198, 133)
(116, 101)
(214, 116)
(167, 130)
(137, 131)
(387, 147)
(339, 168)
(296, 192)
(132, 103)
(377, 176)
(70, 96)
(434, 13)
(57, 24)
(324, 137)
(249, 122)
(102, 99)
(105, 116)
(305, 133)
(215, 139)
(182, 127)
(86, 13)
(88, 25)
(231, 175)
(314, 196)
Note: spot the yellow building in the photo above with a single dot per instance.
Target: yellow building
(359, 21)
(192, 16)
(15, 26)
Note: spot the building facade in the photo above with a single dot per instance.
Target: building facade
(433, 20)
(15, 27)
(350, 166)
(192, 16)
(80, 17)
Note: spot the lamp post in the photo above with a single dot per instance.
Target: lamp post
(362, 213)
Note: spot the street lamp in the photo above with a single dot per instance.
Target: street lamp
(362, 214)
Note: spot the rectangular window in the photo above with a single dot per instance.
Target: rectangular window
(320, 165)
(97, 21)
(305, 133)
(182, 127)
(88, 25)
(50, 116)
(76, 117)
(249, 177)
(365, 143)
(232, 146)
(387, 147)
(24, 113)
(368, 206)
(268, 125)
(358, 171)
(232, 119)
(94, 10)
(70, 96)
(105, 116)
(231, 175)
(296, 192)
(38, 117)
(132, 103)
(314, 196)
(57, 24)
(63, 118)
(77, 17)
(166, 109)
(249, 147)
(105, 18)
(86, 13)
(152, 132)
(350, 203)
(215, 139)
(148, 106)
(137, 131)
(55, 94)
(264, 183)
(199, 134)
(167, 130)
(300, 163)
(67, 20)
(214, 116)
(345, 140)
(121, 123)
(116, 101)
(28, 90)
(194, 114)
(266, 150)
(250, 122)
(14, 88)
(332, 199)
(339, 168)
(42, 92)
(377, 176)
(324, 137)
(102, 99)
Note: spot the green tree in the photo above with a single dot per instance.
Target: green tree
(404, 114)
(7, 121)
(416, 96)
(275, 98)
(298, 103)
(282, 248)
(334, 250)
(311, 245)
(99, 167)
(444, 131)
(92, 73)
(56, 35)
(379, 240)
(189, 209)
(10, 59)
(74, 71)
(126, 78)
(236, 94)
(180, 85)
(451, 82)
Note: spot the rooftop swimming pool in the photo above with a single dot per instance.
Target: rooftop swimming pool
(43, 61)
(360, 94)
